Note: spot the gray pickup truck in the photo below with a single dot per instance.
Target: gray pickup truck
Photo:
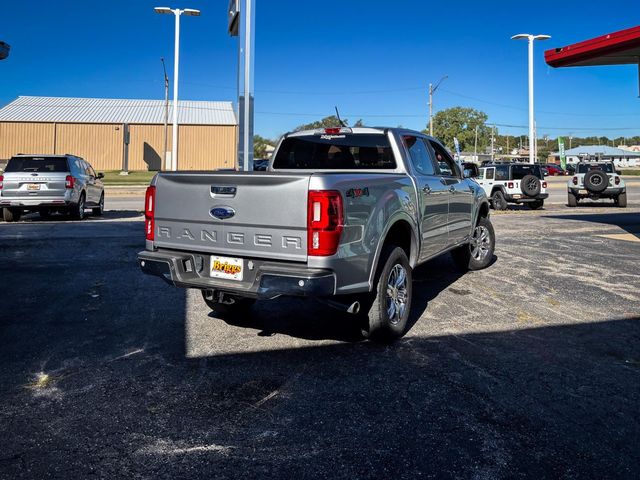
(341, 214)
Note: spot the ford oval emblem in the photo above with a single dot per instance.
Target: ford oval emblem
(222, 212)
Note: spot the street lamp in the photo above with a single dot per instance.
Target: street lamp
(176, 61)
(531, 38)
(432, 90)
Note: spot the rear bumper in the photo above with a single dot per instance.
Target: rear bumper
(35, 202)
(262, 279)
(522, 198)
(611, 192)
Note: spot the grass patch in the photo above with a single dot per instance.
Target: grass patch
(134, 178)
(630, 171)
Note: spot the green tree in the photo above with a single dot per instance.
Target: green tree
(260, 146)
(461, 122)
(326, 122)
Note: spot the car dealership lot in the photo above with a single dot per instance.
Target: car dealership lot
(529, 368)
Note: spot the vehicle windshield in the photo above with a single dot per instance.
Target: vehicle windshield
(518, 172)
(586, 167)
(37, 164)
(335, 152)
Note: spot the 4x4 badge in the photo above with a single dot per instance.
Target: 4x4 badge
(222, 212)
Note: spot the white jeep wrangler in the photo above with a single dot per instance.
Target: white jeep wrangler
(596, 180)
(518, 183)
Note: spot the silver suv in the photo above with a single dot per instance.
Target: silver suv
(50, 183)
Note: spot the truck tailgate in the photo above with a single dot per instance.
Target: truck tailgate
(267, 214)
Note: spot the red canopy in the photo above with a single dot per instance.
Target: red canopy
(616, 48)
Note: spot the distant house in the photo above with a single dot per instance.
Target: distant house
(621, 158)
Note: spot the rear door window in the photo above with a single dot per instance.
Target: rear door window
(37, 164)
(335, 152)
(502, 172)
(419, 155)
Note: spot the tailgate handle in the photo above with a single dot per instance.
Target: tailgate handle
(223, 191)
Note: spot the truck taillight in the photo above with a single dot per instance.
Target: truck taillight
(69, 182)
(510, 185)
(149, 209)
(617, 180)
(544, 184)
(575, 180)
(325, 219)
(1, 181)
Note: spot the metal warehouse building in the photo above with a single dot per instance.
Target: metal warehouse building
(97, 129)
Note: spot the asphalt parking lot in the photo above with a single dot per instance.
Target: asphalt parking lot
(530, 368)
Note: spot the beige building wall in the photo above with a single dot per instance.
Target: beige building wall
(98, 144)
(25, 138)
(202, 147)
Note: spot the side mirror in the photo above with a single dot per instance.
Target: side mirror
(100, 175)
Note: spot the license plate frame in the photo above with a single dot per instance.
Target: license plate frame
(33, 187)
(226, 268)
(582, 192)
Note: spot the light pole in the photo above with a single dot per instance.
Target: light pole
(166, 114)
(531, 38)
(432, 90)
(176, 62)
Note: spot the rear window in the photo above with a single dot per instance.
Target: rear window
(518, 172)
(335, 152)
(37, 164)
(585, 167)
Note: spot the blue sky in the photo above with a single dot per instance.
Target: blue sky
(374, 59)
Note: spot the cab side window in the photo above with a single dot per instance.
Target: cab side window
(445, 163)
(490, 173)
(419, 154)
(480, 174)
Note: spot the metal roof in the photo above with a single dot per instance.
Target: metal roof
(110, 110)
(602, 150)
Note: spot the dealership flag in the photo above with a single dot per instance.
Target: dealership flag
(563, 158)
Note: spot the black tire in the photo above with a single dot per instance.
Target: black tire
(621, 201)
(537, 205)
(596, 181)
(77, 210)
(390, 306)
(11, 214)
(478, 253)
(530, 185)
(99, 210)
(239, 304)
(498, 201)
(572, 201)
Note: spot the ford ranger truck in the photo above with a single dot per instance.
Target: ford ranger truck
(341, 214)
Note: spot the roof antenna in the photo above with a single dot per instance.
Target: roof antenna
(342, 123)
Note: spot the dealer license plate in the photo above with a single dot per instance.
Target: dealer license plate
(33, 186)
(227, 268)
(582, 192)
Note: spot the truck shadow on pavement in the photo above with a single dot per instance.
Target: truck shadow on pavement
(62, 218)
(320, 322)
(94, 382)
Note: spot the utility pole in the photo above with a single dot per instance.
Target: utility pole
(432, 90)
(166, 115)
(492, 140)
(475, 146)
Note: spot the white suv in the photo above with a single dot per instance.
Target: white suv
(596, 180)
(513, 183)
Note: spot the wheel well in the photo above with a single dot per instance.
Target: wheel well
(495, 189)
(483, 212)
(401, 234)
